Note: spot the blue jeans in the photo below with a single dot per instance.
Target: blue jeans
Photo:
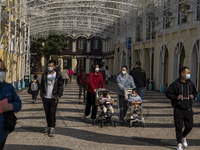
(141, 92)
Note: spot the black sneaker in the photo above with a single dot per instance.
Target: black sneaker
(51, 132)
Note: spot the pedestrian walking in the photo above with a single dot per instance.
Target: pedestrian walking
(95, 82)
(82, 81)
(124, 81)
(71, 74)
(181, 93)
(108, 75)
(65, 76)
(139, 77)
(51, 91)
(34, 87)
(9, 101)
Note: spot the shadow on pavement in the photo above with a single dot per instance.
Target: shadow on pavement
(111, 139)
(32, 147)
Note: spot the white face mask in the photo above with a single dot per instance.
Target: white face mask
(123, 72)
(134, 95)
(2, 76)
(50, 69)
(188, 76)
(96, 69)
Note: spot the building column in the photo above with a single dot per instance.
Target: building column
(24, 55)
(88, 45)
(20, 59)
(74, 45)
(9, 48)
(61, 63)
(87, 66)
(74, 64)
(103, 46)
(43, 62)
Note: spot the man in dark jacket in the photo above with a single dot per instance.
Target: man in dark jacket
(181, 93)
(139, 77)
(51, 91)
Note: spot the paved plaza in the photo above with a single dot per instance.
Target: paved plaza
(73, 133)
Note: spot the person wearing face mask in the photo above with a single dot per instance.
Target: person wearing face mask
(124, 81)
(9, 101)
(181, 93)
(50, 92)
(95, 82)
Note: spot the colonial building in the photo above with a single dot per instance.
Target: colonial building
(14, 49)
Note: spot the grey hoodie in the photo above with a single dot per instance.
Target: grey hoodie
(124, 83)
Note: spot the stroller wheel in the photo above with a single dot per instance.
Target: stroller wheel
(131, 124)
(101, 124)
(114, 124)
(93, 122)
(142, 123)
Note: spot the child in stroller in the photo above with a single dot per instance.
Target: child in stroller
(135, 105)
(106, 103)
(104, 100)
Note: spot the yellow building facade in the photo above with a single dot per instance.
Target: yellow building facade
(14, 42)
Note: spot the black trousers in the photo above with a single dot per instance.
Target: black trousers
(34, 97)
(180, 117)
(2, 144)
(91, 103)
(50, 107)
(65, 81)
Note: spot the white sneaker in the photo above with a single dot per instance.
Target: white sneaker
(51, 132)
(179, 146)
(184, 142)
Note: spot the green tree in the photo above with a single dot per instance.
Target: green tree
(54, 44)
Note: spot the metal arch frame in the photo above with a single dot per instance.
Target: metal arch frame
(99, 24)
(65, 13)
(68, 22)
(86, 30)
(44, 19)
(72, 28)
(51, 11)
(69, 27)
(75, 1)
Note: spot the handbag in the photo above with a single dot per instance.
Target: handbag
(10, 121)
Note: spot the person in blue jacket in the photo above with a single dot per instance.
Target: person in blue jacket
(124, 82)
(8, 92)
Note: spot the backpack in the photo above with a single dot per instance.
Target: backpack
(34, 86)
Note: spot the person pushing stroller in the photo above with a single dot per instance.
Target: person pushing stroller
(106, 103)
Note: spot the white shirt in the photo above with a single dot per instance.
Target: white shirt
(50, 84)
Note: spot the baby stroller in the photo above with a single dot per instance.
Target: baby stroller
(135, 118)
(103, 119)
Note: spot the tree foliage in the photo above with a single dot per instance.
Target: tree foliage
(54, 44)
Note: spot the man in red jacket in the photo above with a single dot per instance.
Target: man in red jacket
(95, 82)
